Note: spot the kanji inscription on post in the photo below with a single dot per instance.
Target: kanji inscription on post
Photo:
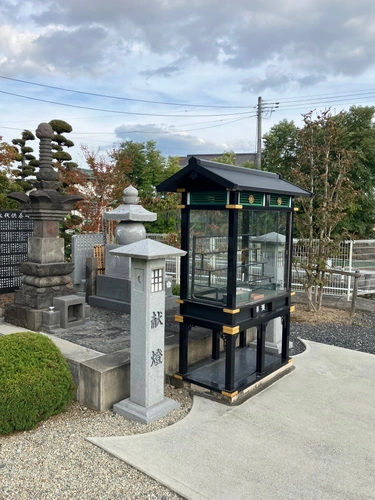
(156, 357)
(156, 319)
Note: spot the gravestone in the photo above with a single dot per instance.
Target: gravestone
(82, 248)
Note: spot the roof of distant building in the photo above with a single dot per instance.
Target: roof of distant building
(240, 158)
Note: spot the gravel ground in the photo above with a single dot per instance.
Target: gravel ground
(360, 336)
(55, 461)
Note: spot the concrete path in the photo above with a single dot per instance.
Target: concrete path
(311, 435)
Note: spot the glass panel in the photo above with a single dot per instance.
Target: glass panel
(208, 255)
(262, 256)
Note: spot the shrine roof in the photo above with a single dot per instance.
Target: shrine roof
(204, 175)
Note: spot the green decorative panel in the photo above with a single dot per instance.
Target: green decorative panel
(277, 200)
(249, 199)
(209, 198)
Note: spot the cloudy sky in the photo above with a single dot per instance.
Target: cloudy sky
(185, 73)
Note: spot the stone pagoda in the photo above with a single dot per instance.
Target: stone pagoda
(46, 275)
(113, 287)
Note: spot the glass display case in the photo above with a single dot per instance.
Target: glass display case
(236, 226)
(260, 257)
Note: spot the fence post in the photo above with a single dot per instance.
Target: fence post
(355, 292)
(350, 266)
(178, 269)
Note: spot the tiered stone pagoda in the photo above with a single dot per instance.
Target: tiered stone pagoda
(113, 288)
(46, 275)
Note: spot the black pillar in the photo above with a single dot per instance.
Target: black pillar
(285, 338)
(215, 344)
(261, 347)
(229, 362)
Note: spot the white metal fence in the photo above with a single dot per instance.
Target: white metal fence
(356, 255)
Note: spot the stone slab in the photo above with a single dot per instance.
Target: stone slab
(104, 380)
(82, 247)
(112, 304)
(23, 316)
(113, 288)
(115, 266)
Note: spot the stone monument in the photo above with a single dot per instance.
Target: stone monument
(147, 325)
(113, 287)
(46, 275)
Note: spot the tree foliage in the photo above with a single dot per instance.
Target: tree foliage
(321, 163)
(229, 157)
(8, 154)
(62, 158)
(27, 161)
(143, 166)
(282, 151)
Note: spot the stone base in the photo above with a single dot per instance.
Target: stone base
(112, 304)
(24, 316)
(40, 298)
(133, 411)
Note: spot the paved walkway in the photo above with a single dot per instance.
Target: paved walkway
(308, 436)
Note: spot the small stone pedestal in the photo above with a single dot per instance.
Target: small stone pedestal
(147, 402)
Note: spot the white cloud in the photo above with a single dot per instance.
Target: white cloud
(188, 51)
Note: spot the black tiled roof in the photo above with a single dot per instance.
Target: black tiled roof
(201, 175)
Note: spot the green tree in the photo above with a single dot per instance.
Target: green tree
(8, 154)
(282, 150)
(143, 166)
(62, 158)
(27, 161)
(359, 137)
(324, 167)
(229, 157)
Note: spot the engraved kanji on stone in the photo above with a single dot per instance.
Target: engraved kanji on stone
(156, 319)
(156, 357)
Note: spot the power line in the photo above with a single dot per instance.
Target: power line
(106, 96)
(330, 94)
(115, 111)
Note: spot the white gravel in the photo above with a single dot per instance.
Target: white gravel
(54, 461)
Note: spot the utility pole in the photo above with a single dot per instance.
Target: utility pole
(259, 134)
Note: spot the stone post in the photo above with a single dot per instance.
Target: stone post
(147, 330)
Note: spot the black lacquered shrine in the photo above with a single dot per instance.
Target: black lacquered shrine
(236, 226)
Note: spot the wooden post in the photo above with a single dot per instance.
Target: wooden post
(355, 292)
(91, 273)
